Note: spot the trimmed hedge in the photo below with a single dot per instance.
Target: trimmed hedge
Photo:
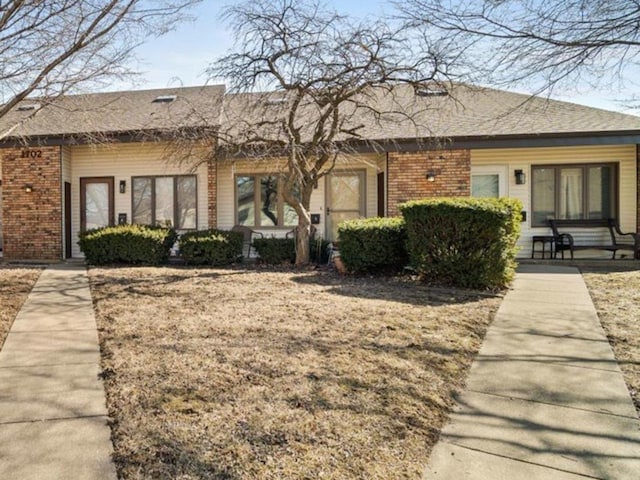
(211, 247)
(373, 245)
(275, 251)
(465, 242)
(133, 244)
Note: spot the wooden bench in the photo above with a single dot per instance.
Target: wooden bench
(616, 240)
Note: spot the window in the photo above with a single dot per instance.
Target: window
(165, 201)
(260, 203)
(574, 192)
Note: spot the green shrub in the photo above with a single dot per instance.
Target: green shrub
(275, 251)
(373, 244)
(464, 242)
(134, 244)
(211, 247)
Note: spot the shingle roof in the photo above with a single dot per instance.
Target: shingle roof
(118, 112)
(464, 112)
(484, 112)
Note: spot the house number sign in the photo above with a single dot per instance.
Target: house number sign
(31, 153)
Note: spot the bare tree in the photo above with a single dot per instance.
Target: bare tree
(48, 48)
(541, 43)
(303, 82)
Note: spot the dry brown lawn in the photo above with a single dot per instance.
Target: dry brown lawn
(15, 285)
(246, 374)
(616, 294)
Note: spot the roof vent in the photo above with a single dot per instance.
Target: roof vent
(28, 107)
(429, 92)
(164, 99)
(276, 101)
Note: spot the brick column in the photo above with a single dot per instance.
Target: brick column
(32, 221)
(407, 176)
(212, 192)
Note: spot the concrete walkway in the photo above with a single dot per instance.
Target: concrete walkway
(52, 403)
(545, 399)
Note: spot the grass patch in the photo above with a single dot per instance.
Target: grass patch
(245, 374)
(15, 285)
(616, 295)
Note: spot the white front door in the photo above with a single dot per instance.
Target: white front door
(345, 199)
(489, 181)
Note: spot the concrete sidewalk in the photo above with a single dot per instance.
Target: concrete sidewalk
(545, 399)
(52, 403)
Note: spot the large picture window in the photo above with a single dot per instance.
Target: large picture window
(574, 192)
(260, 203)
(165, 201)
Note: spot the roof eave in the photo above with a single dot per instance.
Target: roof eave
(551, 139)
(124, 136)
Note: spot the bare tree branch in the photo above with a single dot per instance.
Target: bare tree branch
(51, 48)
(302, 79)
(533, 42)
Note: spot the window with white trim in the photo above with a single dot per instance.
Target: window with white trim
(574, 192)
(260, 203)
(165, 200)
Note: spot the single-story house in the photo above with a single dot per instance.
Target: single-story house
(85, 161)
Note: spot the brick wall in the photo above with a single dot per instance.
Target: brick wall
(407, 176)
(212, 187)
(32, 221)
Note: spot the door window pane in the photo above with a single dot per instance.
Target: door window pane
(141, 192)
(485, 185)
(543, 189)
(97, 205)
(345, 200)
(186, 202)
(571, 194)
(345, 192)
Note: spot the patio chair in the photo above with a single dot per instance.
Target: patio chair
(293, 233)
(248, 235)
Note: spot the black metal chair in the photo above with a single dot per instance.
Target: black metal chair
(248, 236)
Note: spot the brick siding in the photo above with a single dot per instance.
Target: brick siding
(32, 221)
(407, 176)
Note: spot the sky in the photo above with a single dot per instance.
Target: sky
(181, 57)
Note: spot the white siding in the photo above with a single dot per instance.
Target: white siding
(1, 227)
(123, 161)
(227, 170)
(524, 158)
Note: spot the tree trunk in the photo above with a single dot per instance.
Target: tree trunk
(301, 205)
(303, 234)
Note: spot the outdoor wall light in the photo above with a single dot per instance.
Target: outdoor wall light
(521, 177)
(123, 186)
(28, 188)
(431, 176)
